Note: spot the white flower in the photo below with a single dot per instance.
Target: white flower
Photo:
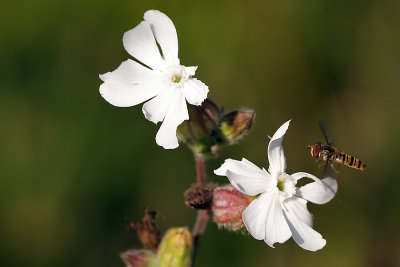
(280, 211)
(159, 76)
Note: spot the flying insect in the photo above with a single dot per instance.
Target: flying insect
(332, 155)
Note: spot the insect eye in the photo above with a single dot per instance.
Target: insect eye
(316, 150)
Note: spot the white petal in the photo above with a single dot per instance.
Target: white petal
(195, 91)
(165, 33)
(319, 193)
(243, 167)
(246, 177)
(176, 113)
(133, 73)
(299, 207)
(191, 70)
(276, 156)
(251, 164)
(298, 175)
(255, 215)
(140, 43)
(156, 109)
(250, 185)
(126, 95)
(277, 229)
(302, 233)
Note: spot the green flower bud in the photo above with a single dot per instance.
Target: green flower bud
(207, 129)
(200, 132)
(139, 258)
(235, 124)
(176, 248)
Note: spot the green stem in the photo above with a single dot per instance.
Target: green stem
(202, 215)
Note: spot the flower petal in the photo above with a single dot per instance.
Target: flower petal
(302, 233)
(255, 215)
(126, 95)
(299, 207)
(165, 33)
(298, 175)
(277, 229)
(176, 113)
(156, 109)
(191, 70)
(319, 193)
(243, 167)
(276, 156)
(140, 43)
(133, 73)
(250, 185)
(246, 177)
(195, 91)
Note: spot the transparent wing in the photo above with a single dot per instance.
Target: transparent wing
(324, 131)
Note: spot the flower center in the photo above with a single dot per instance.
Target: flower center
(280, 185)
(176, 78)
(175, 75)
(286, 184)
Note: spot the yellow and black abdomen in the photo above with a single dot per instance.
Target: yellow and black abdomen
(350, 161)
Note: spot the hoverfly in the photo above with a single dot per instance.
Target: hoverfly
(332, 155)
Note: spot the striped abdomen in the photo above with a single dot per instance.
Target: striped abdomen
(350, 161)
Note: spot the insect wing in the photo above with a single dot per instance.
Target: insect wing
(324, 131)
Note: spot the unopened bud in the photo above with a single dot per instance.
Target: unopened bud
(199, 132)
(175, 248)
(228, 206)
(139, 258)
(235, 124)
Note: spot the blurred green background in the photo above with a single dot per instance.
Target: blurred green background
(72, 166)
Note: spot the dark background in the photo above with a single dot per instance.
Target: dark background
(72, 166)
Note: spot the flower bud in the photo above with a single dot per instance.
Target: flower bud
(139, 258)
(201, 130)
(235, 124)
(175, 248)
(228, 206)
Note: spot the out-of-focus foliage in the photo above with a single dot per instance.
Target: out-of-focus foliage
(72, 166)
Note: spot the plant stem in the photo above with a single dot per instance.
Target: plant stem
(202, 215)
(201, 175)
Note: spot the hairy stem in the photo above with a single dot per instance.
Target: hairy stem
(201, 175)
(202, 215)
(201, 222)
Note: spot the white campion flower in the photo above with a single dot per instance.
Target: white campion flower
(159, 77)
(280, 211)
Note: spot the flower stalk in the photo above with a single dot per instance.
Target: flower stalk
(202, 215)
(200, 169)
